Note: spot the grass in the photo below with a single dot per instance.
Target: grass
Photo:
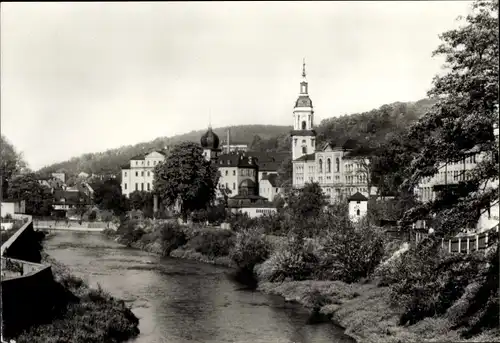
(94, 318)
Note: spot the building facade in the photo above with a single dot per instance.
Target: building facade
(338, 171)
(140, 173)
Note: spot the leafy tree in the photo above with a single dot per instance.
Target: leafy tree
(108, 196)
(255, 145)
(142, 200)
(11, 162)
(462, 118)
(285, 173)
(38, 198)
(187, 178)
(307, 202)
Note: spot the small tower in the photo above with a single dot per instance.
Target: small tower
(210, 144)
(303, 134)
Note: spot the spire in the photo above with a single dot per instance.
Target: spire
(304, 67)
(209, 118)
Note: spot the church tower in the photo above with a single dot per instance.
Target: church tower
(303, 134)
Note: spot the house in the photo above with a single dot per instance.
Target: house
(358, 207)
(252, 205)
(12, 207)
(268, 186)
(69, 199)
(235, 169)
(60, 176)
(138, 175)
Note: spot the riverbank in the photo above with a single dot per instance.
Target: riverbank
(363, 309)
(92, 316)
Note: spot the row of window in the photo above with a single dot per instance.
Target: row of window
(329, 179)
(329, 165)
(147, 163)
(137, 173)
(358, 178)
(243, 172)
(304, 143)
(148, 186)
(267, 211)
(269, 190)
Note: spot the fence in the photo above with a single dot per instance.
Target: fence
(464, 244)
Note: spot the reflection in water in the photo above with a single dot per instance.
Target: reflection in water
(182, 301)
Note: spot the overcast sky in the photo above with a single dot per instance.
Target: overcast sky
(86, 77)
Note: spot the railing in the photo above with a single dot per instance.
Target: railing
(465, 244)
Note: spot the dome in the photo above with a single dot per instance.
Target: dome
(303, 101)
(210, 140)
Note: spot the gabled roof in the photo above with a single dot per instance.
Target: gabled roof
(236, 160)
(272, 178)
(357, 197)
(269, 166)
(310, 157)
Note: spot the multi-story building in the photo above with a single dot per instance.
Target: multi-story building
(237, 169)
(339, 172)
(452, 173)
(138, 176)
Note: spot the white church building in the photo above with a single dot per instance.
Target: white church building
(339, 173)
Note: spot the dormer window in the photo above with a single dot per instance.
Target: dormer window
(228, 162)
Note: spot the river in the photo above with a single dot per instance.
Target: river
(179, 301)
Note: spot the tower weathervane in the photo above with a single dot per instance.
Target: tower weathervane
(210, 118)
(303, 67)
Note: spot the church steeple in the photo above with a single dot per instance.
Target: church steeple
(303, 83)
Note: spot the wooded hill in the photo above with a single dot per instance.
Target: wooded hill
(369, 128)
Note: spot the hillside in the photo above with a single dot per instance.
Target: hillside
(111, 160)
(369, 128)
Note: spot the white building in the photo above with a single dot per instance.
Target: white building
(358, 207)
(139, 175)
(268, 186)
(12, 207)
(338, 171)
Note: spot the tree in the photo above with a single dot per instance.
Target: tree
(462, 118)
(187, 178)
(108, 196)
(308, 202)
(285, 173)
(38, 198)
(11, 162)
(142, 200)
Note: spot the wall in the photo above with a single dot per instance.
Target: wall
(25, 244)
(354, 206)
(254, 212)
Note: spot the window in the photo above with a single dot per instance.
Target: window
(136, 173)
(149, 174)
(149, 186)
(328, 166)
(136, 163)
(357, 212)
(227, 187)
(337, 165)
(234, 172)
(320, 165)
(304, 125)
(125, 174)
(147, 163)
(226, 172)
(234, 185)
(142, 186)
(125, 186)
(142, 162)
(142, 173)
(295, 142)
(136, 186)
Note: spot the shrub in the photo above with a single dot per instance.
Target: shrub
(350, 253)
(428, 281)
(172, 236)
(92, 216)
(250, 249)
(213, 242)
(241, 221)
(292, 261)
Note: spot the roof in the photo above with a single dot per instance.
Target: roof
(210, 140)
(236, 160)
(143, 155)
(272, 178)
(269, 166)
(309, 157)
(303, 101)
(69, 196)
(357, 197)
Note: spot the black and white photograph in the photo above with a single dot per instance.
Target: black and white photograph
(249, 172)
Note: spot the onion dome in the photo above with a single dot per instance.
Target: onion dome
(210, 140)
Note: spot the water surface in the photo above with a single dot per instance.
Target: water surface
(179, 301)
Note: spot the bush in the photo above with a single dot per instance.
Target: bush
(213, 242)
(250, 249)
(294, 260)
(428, 281)
(350, 253)
(172, 236)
